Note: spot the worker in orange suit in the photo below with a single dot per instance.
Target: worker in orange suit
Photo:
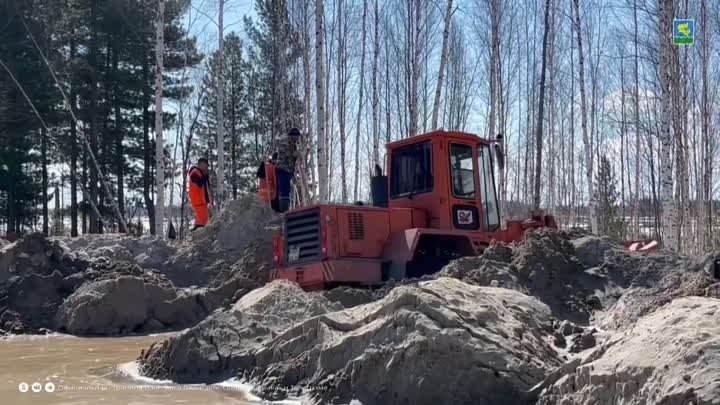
(267, 182)
(199, 194)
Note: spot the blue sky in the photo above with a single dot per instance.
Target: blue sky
(203, 14)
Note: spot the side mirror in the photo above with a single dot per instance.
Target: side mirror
(499, 152)
(378, 170)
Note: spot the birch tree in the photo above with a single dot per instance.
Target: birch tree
(541, 106)
(665, 12)
(636, 92)
(320, 97)
(705, 227)
(341, 88)
(376, 94)
(159, 148)
(443, 63)
(415, 16)
(307, 172)
(587, 141)
(494, 64)
(220, 193)
(360, 102)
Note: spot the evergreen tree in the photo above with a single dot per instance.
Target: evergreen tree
(239, 144)
(102, 53)
(609, 220)
(275, 47)
(23, 140)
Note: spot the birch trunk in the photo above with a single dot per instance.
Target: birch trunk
(43, 157)
(587, 141)
(637, 201)
(320, 97)
(159, 147)
(622, 133)
(341, 85)
(551, 155)
(306, 160)
(94, 130)
(665, 12)
(705, 218)
(540, 117)
(375, 95)
(415, 69)
(73, 158)
(573, 189)
(443, 63)
(494, 56)
(360, 103)
(220, 192)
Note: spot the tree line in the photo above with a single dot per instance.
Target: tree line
(606, 123)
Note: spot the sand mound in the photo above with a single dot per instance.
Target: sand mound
(484, 345)
(584, 279)
(222, 344)
(657, 283)
(237, 240)
(45, 286)
(146, 251)
(669, 357)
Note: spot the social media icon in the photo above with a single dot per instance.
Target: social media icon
(49, 387)
(23, 387)
(37, 387)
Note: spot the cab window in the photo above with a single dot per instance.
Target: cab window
(411, 170)
(487, 190)
(462, 172)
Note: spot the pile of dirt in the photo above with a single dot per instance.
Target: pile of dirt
(147, 251)
(44, 286)
(546, 265)
(659, 279)
(580, 278)
(35, 254)
(350, 297)
(482, 345)
(669, 357)
(122, 305)
(224, 343)
(35, 276)
(237, 240)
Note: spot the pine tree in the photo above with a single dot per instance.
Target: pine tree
(239, 146)
(610, 221)
(21, 131)
(275, 48)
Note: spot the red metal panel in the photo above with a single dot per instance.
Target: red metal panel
(362, 232)
(419, 218)
(315, 275)
(400, 219)
(354, 271)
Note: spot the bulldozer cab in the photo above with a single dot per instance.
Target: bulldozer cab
(449, 175)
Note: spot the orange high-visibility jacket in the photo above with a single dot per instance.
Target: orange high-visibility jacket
(267, 184)
(198, 187)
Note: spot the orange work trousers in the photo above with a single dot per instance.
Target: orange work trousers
(201, 214)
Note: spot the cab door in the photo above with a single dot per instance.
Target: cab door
(463, 185)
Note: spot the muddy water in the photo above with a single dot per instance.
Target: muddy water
(94, 371)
